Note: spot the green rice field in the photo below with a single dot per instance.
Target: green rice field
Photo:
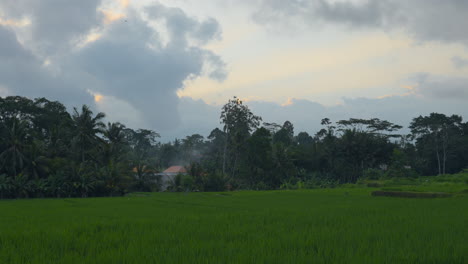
(343, 225)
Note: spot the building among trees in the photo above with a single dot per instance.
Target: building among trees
(169, 176)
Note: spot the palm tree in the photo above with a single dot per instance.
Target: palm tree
(84, 180)
(37, 165)
(6, 186)
(87, 129)
(59, 184)
(23, 187)
(15, 139)
(114, 177)
(115, 137)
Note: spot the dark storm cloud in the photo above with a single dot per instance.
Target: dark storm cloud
(22, 73)
(442, 88)
(426, 20)
(372, 13)
(182, 27)
(132, 62)
(459, 62)
(54, 24)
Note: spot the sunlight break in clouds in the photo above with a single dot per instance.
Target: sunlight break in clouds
(290, 101)
(111, 16)
(98, 98)
(15, 23)
(124, 3)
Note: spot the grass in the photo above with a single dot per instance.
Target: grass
(455, 183)
(344, 225)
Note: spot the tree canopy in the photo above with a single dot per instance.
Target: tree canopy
(45, 151)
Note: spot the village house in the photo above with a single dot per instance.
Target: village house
(168, 176)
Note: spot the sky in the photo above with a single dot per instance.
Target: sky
(170, 65)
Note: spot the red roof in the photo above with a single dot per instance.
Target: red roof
(176, 169)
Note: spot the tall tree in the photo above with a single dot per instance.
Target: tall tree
(15, 140)
(238, 123)
(259, 159)
(285, 135)
(439, 132)
(87, 128)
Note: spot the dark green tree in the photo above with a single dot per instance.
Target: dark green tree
(238, 122)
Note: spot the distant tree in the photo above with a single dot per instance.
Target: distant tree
(438, 131)
(213, 161)
(86, 128)
(304, 139)
(143, 158)
(15, 140)
(192, 147)
(272, 127)
(116, 142)
(238, 122)
(285, 135)
(259, 159)
(370, 126)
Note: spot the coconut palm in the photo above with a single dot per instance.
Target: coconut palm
(6, 186)
(84, 178)
(15, 139)
(115, 141)
(114, 177)
(87, 127)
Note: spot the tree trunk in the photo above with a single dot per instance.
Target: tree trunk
(444, 146)
(444, 160)
(234, 169)
(224, 156)
(437, 153)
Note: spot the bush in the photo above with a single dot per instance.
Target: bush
(410, 194)
(401, 173)
(312, 181)
(214, 182)
(372, 174)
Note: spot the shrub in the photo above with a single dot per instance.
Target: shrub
(401, 173)
(214, 182)
(372, 174)
(410, 194)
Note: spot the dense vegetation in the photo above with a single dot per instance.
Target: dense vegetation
(340, 225)
(46, 151)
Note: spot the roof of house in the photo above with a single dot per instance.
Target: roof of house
(176, 169)
(144, 169)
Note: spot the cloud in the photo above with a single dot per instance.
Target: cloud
(182, 28)
(128, 115)
(441, 87)
(127, 63)
(425, 20)
(22, 73)
(54, 24)
(459, 62)
(131, 62)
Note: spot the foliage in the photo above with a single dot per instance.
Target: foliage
(47, 152)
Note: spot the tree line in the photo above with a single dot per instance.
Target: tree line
(45, 151)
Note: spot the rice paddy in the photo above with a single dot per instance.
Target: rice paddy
(343, 225)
